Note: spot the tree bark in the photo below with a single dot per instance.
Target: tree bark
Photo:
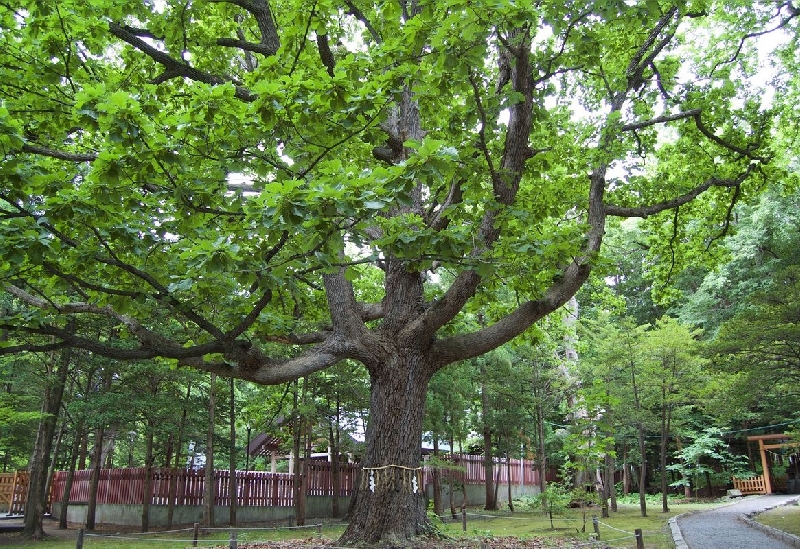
(510, 498)
(541, 462)
(232, 489)
(642, 471)
(390, 508)
(335, 464)
(147, 496)
(173, 479)
(209, 488)
(436, 474)
(36, 501)
(297, 470)
(488, 470)
(91, 507)
(73, 459)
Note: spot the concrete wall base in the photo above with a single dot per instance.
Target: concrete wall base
(131, 515)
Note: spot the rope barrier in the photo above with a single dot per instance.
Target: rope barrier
(555, 519)
(617, 529)
(393, 465)
(237, 529)
(171, 540)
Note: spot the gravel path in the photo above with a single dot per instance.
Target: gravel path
(728, 527)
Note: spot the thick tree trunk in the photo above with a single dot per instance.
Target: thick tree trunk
(390, 509)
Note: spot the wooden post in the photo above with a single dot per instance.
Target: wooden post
(319, 529)
(233, 543)
(464, 518)
(596, 526)
(639, 538)
(79, 540)
(765, 466)
(195, 534)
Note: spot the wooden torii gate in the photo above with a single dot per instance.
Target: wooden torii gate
(762, 449)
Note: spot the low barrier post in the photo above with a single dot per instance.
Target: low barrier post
(79, 540)
(233, 543)
(464, 519)
(639, 538)
(195, 534)
(596, 526)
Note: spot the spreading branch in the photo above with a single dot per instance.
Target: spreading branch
(652, 209)
(174, 68)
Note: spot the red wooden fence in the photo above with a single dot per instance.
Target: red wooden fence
(254, 488)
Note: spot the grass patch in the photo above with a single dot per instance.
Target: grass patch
(615, 531)
(785, 518)
(65, 539)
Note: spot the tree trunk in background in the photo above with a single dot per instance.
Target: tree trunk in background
(541, 461)
(73, 460)
(56, 450)
(173, 479)
(488, 470)
(209, 494)
(642, 472)
(611, 467)
(626, 470)
(510, 499)
(232, 488)
(147, 496)
(451, 476)
(36, 501)
(437, 484)
(91, 507)
(297, 469)
(666, 421)
(336, 477)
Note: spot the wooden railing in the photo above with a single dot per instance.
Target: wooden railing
(752, 485)
(253, 488)
(256, 488)
(13, 490)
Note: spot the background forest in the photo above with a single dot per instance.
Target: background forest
(678, 372)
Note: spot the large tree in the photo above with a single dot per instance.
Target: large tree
(263, 189)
